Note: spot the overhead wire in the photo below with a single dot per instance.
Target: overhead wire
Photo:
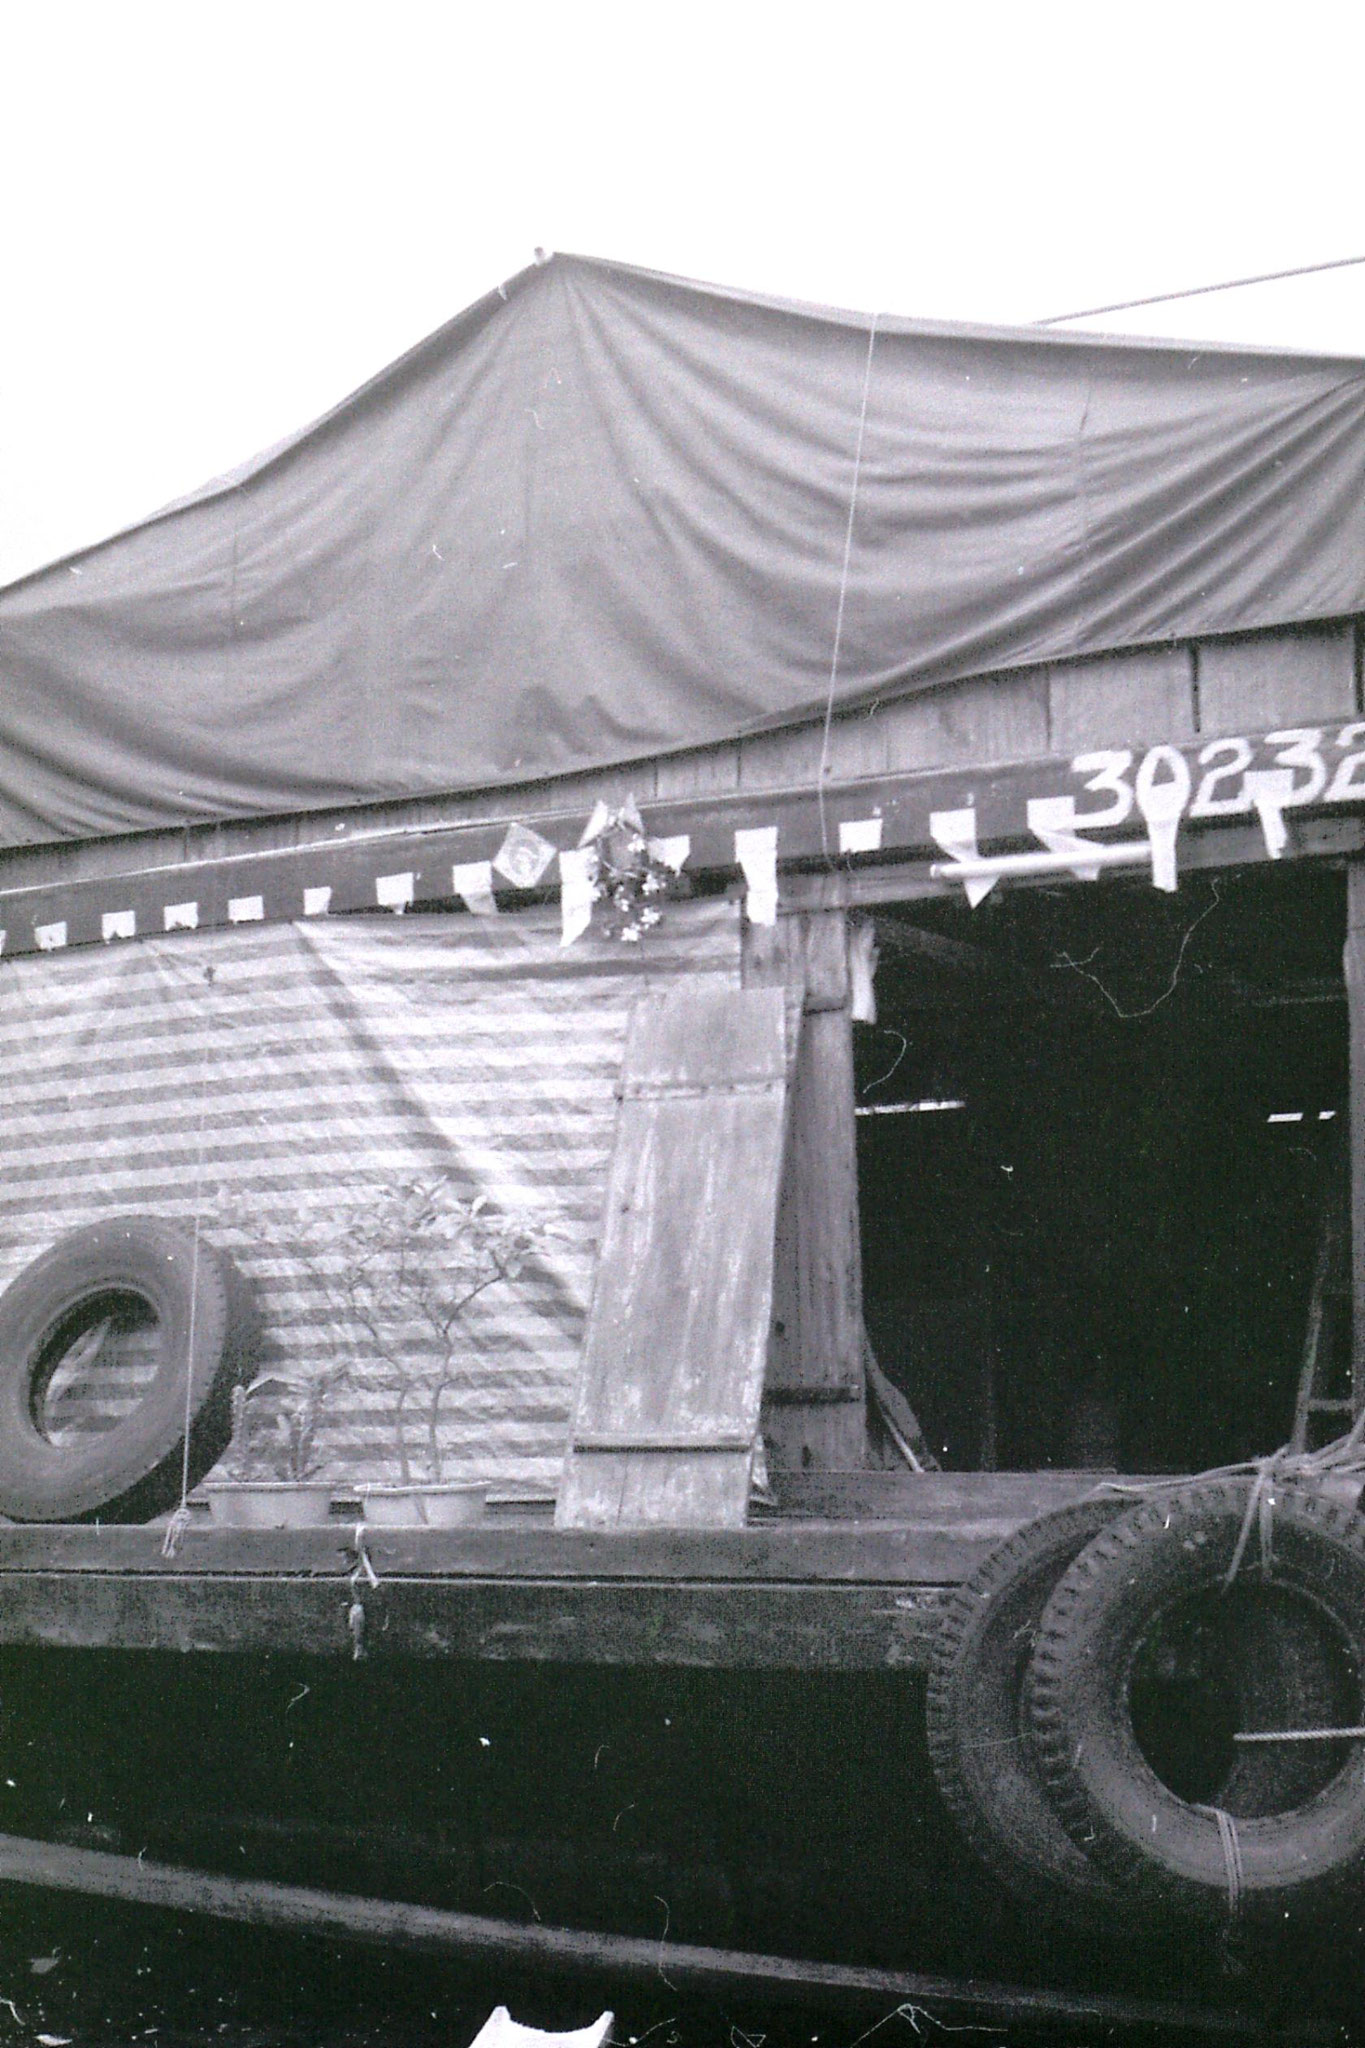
(1198, 291)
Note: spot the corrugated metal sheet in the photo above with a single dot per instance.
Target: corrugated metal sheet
(274, 1079)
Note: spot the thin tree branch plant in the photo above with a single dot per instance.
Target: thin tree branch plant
(397, 1266)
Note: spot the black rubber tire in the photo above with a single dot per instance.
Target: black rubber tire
(978, 1745)
(1306, 1858)
(133, 1470)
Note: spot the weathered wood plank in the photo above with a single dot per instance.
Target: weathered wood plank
(949, 1499)
(819, 1344)
(899, 1514)
(1144, 695)
(973, 724)
(712, 771)
(719, 1627)
(789, 759)
(672, 1373)
(858, 745)
(817, 1306)
(1268, 680)
(837, 1525)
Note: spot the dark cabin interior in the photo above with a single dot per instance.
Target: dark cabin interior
(1100, 1133)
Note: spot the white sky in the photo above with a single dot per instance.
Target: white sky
(220, 218)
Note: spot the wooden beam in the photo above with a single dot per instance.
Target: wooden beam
(815, 1403)
(427, 1930)
(59, 896)
(885, 1626)
(1354, 966)
(874, 1526)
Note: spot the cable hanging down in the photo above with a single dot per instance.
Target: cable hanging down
(843, 585)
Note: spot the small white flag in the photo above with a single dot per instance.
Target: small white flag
(860, 835)
(577, 868)
(472, 881)
(671, 853)
(393, 892)
(756, 853)
(523, 856)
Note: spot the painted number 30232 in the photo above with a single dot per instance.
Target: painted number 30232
(1227, 778)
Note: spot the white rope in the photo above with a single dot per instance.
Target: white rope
(1232, 1856)
(180, 1520)
(1301, 1735)
(843, 584)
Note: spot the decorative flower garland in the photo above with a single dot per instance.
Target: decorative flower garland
(627, 878)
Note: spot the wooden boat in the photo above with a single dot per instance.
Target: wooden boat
(923, 1089)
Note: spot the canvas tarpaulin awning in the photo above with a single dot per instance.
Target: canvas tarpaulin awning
(602, 515)
(275, 1079)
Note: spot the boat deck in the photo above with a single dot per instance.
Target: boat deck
(848, 1572)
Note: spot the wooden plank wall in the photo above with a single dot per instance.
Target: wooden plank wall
(1240, 683)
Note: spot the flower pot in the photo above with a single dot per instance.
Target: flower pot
(414, 1507)
(453, 1507)
(269, 1503)
(392, 1507)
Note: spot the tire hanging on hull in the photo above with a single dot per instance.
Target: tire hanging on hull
(195, 1324)
(1153, 1589)
(982, 1758)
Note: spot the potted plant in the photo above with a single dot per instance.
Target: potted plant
(410, 1263)
(272, 1471)
(395, 1267)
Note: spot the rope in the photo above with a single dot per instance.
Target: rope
(1344, 1457)
(843, 586)
(355, 1613)
(1260, 1514)
(180, 1520)
(1302, 1735)
(1232, 1856)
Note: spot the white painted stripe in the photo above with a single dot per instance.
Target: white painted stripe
(118, 924)
(317, 902)
(181, 917)
(246, 909)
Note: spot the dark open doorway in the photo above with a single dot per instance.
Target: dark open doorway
(1100, 1130)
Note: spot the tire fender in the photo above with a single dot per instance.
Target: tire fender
(206, 1328)
(1173, 1851)
(982, 1761)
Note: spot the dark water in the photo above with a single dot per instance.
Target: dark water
(787, 1814)
(81, 1974)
